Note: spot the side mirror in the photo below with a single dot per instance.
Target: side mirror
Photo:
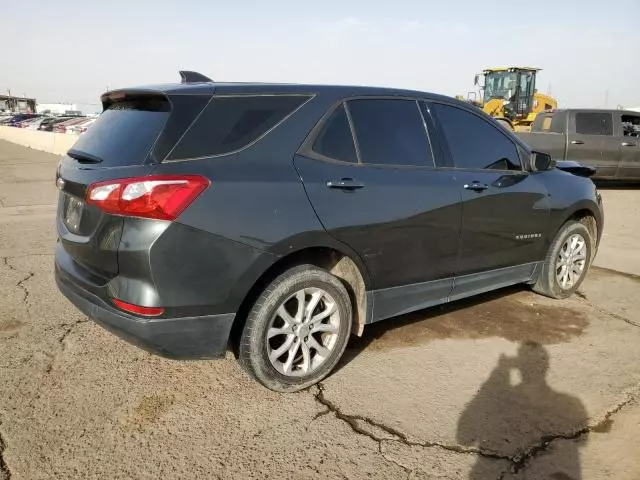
(542, 161)
(476, 80)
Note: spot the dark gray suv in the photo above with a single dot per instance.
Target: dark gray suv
(284, 218)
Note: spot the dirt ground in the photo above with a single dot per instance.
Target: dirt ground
(509, 385)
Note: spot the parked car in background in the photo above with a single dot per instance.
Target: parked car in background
(6, 120)
(63, 126)
(16, 119)
(605, 139)
(48, 124)
(284, 218)
(32, 123)
(81, 127)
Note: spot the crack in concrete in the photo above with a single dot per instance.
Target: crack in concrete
(518, 462)
(523, 460)
(604, 311)
(5, 473)
(407, 470)
(20, 285)
(396, 435)
(69, 328)
(5, 262)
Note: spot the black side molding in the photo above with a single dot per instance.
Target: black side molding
(193, 77)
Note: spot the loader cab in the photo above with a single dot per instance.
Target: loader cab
(510, 90)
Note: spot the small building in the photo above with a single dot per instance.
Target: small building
(10, 103)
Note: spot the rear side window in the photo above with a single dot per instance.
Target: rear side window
(125, 132)
(390, 132)
(594, 123)
(228, 124)
(474, 143)
(335, 139)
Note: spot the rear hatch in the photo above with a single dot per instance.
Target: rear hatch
(129, 138)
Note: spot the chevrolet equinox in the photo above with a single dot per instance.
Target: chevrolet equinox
(281, 219)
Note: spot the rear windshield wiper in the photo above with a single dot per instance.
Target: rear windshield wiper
(83, 157)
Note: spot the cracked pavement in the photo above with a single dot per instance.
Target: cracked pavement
(509, 385)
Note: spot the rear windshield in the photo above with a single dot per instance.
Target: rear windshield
(124, 133)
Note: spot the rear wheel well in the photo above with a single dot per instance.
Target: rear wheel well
(339, 264)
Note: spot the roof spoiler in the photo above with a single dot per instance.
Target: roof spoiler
(193, 77)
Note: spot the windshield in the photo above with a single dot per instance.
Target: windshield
(500, 85)
(515, 88)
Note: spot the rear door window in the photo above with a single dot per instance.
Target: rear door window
(594, 123)
(390, 132)
(475, 143)
(124, 133)
(228, 124)
(335, 139)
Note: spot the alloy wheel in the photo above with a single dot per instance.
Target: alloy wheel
(303, 332)
(571, 261)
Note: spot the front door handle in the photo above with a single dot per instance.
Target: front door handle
(577, 142)
(628, 144)
(345, 184)
(476, 186)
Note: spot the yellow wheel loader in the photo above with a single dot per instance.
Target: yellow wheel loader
(509, 95)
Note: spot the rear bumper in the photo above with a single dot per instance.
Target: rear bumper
(186, 337)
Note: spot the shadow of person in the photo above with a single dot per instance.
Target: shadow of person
(518, 419)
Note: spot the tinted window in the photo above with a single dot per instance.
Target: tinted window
(594, 123)
(228, 124)
(125, 132)
(474, 142)
(390, 132)
(335, 139)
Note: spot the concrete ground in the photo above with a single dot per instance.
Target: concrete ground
(510, 385)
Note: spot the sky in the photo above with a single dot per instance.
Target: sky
(72, 51)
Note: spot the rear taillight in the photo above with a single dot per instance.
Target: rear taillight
(161, 197)
(137, 309)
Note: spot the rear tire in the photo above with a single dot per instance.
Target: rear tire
(297, 330)
(567, 261)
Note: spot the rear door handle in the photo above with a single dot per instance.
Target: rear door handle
(476, 186)
(345, 184)
(577, 142)
(628, 144)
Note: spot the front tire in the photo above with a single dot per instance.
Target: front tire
(567, 261)
(297, 329)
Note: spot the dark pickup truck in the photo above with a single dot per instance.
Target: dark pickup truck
(608, 140)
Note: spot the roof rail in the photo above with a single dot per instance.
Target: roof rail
(193, 77)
